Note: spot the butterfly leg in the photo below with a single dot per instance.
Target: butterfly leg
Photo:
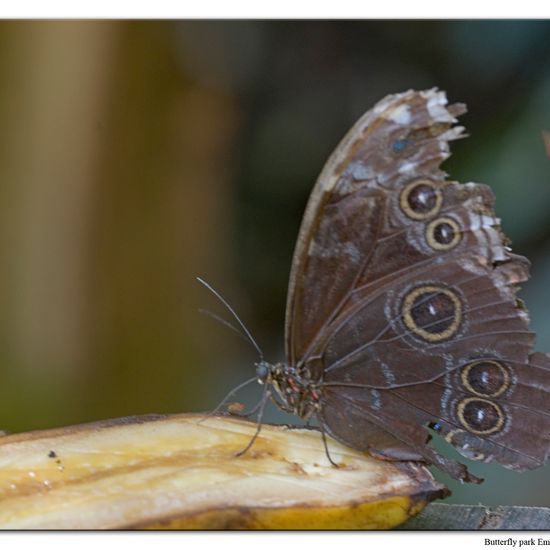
(253, 411)
(225, 399)
(325, 443)
(262, 404)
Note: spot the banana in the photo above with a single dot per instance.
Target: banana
(183, 472)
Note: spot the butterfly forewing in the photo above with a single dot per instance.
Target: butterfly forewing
(402, 300)
(348, 206)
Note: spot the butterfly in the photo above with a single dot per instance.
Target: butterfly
(402, 318)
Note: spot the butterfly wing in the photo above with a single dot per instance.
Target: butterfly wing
(402, 300)
(344, 217)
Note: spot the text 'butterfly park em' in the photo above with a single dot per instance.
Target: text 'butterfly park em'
(402, 317)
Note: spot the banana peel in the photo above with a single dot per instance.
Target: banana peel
(182, 472)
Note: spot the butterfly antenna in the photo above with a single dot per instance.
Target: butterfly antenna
(232, 311)
(225, 323)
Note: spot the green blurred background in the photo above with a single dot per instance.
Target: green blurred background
(136, 155)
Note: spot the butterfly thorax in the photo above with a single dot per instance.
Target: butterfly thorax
(294, 392)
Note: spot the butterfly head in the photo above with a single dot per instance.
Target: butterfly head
(263, 372)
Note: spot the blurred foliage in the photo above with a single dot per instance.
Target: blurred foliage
(137, 155)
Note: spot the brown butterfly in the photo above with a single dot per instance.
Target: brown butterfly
(402, 315)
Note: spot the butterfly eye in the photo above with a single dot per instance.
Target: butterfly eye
(420, 199)
(262, 371)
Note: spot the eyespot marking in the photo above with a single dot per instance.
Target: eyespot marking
(433, 313)
(480, 416)
(443, 233)
(485, 377)
(420, 199)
